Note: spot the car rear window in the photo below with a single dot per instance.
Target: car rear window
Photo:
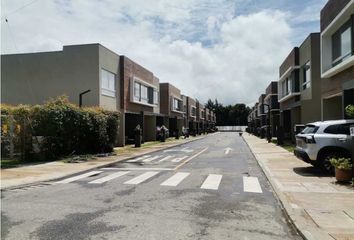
(338, 129)
(310, 129)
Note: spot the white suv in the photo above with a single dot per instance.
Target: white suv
(320, 141)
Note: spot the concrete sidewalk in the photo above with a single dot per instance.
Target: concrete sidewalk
(318, 206)
(26, 175)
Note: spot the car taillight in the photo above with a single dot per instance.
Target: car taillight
(310, 140)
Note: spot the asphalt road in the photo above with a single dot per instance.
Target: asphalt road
(207, 189)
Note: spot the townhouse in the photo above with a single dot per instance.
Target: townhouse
(110, 81)
(172, 108)
(115, 83)
(190, 117)
(271, 107)
(261, 115)
(140, 104)
(201, 120)
(253, 120)
(299, 87)
(316, 80)
(337, 58)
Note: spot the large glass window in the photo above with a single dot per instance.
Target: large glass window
(283, 88)
(145, 94)
(177, 104)
(288, 85)
(156, 97)
(194, 111)
(307, 75)
(346, 42)
(342, 44)
(137, 91)
(108, 83)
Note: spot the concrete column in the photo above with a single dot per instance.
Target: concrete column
(121, 130)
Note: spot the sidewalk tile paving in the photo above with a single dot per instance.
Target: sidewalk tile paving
(318, 206)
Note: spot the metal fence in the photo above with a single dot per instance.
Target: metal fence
(232, 128)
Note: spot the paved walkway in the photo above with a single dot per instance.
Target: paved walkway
(318, 206)
(14, 177)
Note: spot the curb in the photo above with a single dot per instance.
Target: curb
(280, 195)
(24, 185)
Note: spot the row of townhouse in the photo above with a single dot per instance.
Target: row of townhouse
(316, 79)
(115, 83)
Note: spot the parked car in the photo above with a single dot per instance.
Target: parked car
(321, 141)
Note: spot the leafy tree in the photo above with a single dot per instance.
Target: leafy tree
(230, 115)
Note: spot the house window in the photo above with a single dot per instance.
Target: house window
(108, 83)
(307, 75)
(283, 88)
(194, 111)
(288, 85)
(137, 91)
(342, 44)
(177, 104)
(156, 97)
(145, 94)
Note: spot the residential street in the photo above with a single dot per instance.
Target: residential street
(207, 189)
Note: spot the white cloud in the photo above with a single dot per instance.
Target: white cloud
(166, 37)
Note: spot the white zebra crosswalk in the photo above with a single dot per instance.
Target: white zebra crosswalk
(175, 179)
(109, 177)
(85, 175)
(141, 178)
(158, 159)
(210, 182)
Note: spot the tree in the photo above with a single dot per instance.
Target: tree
(229, 115)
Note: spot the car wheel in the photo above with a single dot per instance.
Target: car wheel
(325, 162)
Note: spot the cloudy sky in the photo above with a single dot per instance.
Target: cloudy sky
(229, 50)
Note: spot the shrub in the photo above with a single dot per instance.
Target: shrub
(66, 128)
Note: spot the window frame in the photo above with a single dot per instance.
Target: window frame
(307, 82)
(151, 98)
(337, 38)
(108, 90)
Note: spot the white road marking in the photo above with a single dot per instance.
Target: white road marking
(166, 158)
(139, 158)
(190, 158)
(227, 150)
(178, 159)
(137, 169)
(85, 175)
(212, 182)
(186, 149)
(175, 179)
(141, 178)
(109, 177)
(251, 184)
(151, 158)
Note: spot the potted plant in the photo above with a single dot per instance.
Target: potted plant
(343, 168)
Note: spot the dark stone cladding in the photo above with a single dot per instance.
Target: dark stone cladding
(330, 11)
(291, 60)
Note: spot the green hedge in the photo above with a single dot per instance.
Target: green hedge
(66, 128)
